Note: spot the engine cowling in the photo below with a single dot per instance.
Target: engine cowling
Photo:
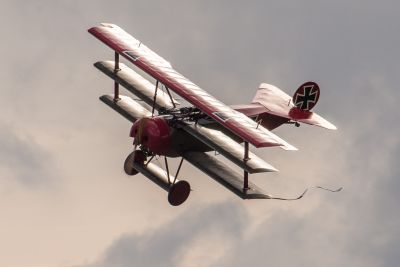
(153, 134)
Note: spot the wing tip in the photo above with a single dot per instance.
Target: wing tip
(328, 126)
(109, 25)
(289, 147)
(265, 169)
(333, 127)
(103, 24)
(285, 146)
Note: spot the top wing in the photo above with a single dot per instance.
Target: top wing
(160, 69)
(280, 104)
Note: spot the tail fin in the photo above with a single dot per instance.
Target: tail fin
(273, 107)
(306, 96)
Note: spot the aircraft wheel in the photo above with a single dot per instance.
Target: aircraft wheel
(136, 156)
(178, 193)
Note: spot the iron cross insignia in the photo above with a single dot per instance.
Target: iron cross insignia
(308, 99)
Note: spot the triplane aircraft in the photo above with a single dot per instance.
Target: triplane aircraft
(164, 128)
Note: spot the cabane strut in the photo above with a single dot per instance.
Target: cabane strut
(246, 174)
(116, 84)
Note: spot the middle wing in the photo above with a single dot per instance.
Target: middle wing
(160, 69)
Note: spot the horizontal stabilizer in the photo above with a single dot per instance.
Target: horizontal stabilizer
(126, 106)
(224, 175)
(229, 148)
(136, 84)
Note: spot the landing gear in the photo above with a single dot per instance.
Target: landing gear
(136, 156)
(178, 190)
(178, 193)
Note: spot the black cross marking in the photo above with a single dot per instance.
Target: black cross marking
(310, 96)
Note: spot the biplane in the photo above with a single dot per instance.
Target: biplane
(164, 127)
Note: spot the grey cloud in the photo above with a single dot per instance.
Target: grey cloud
(357, 227)
(22, 159)
(319, 239)
(165, 246)
(228, 48)
(342, 47)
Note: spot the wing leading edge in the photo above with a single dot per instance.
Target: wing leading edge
(160, 69)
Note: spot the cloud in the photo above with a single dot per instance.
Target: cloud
(51, 115)
(357, 227)
(22, 159)
(173, 244)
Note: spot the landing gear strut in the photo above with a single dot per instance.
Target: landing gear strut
(178, 190)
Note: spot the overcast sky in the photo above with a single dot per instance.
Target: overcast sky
(65, 201)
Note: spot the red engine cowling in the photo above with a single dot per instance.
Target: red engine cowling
(153, 134)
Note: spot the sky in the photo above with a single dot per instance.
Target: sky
(65, 201)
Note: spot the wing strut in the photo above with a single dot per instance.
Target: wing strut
(116, 84)
(154, 100)
(246, 174)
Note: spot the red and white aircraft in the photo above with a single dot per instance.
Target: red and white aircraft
(165, 128)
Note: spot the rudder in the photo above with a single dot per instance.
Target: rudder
(306, 96)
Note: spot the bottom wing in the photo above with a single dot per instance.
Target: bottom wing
(224, 175)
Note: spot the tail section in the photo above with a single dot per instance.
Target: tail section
(306, 96)
(272, 107)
